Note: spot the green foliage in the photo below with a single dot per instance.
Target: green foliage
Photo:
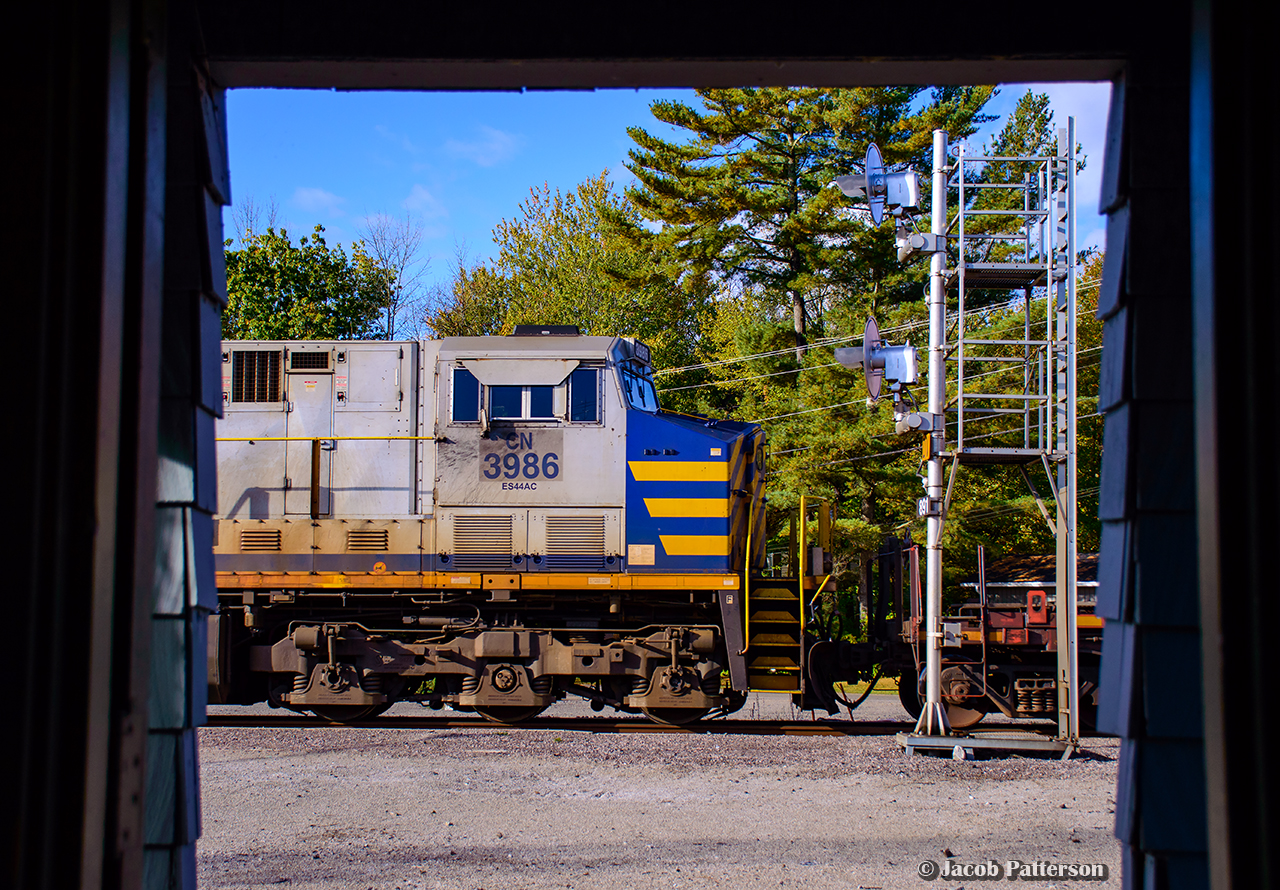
(476, 306)
(824, 439)
(309, 291)
(731, 244)
(993, 506)
(1029, 131)
(746, 196)
(565, 260)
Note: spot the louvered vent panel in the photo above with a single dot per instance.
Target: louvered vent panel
(575, 542)
(255, 376)
(260, 540)
(368, 540)
(308, 360)
(482, 542)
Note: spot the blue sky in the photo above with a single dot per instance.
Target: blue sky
(461, 162)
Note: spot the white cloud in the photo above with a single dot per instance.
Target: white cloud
(494, 147)
(423, 202)
(317, 200)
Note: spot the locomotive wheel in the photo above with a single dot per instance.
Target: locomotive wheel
(962, 718)
(674, 716)
(908, 695)
(734, 701)
(509, 715)
(958, 717)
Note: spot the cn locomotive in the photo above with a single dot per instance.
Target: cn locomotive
(488, 523)
(494, 523)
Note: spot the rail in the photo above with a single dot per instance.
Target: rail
(726, 726)
(722, 726)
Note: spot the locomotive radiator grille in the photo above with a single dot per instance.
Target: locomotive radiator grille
(482, 542)
(255, 376)
(575, 542)
(260, 540)
(369, 540)
(299, 361)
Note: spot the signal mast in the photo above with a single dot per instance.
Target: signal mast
(1034, 426)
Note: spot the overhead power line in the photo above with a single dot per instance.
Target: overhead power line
(827, 341)
(808, 411)
(734, 380)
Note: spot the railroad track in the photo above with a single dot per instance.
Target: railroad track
(608, 725)
(573, 724)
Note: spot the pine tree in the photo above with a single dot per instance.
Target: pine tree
(746, 195)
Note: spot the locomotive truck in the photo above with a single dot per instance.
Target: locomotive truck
(493, 523)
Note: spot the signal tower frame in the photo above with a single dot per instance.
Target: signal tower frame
(1044, 412)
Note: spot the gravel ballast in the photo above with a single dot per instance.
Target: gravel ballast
(490, 809)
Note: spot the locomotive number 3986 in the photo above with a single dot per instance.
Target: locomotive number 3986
(521, 460)
(522, 465)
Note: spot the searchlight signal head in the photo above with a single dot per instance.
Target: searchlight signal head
(896, 192)
(881, 363)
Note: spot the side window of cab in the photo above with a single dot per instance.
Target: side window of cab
(465, 390)
(576, 400)
(584, 395)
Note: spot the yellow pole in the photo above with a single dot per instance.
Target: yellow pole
(804, 543)
(746, 586)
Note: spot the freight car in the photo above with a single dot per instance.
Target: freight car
(1000, 642)
(493, 523)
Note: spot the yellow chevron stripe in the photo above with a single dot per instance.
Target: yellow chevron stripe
(679, 470)
(695, 545)
(688, 507)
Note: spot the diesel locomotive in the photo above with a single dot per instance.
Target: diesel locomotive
(493, 523)
(489, 523)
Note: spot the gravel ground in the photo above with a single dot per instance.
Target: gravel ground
(496, 809)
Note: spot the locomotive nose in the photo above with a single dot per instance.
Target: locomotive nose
(692, 488)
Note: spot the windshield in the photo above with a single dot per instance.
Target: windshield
(639, 392)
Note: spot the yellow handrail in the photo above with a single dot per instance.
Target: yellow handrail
(322, 438)
(817, 590)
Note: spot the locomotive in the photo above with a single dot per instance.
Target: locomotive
(489, 523)
(493, 523)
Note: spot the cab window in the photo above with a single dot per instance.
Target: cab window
(584, 395)
(466, 396)
(639, 392)
(521, 403)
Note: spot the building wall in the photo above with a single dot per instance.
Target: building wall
(114, 274)
(197, 185)
(1147, 592)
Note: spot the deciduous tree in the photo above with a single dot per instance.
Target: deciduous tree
(565, 260)
(278, 290)
(395, 245)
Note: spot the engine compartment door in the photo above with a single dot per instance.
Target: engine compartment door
(310, 416)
